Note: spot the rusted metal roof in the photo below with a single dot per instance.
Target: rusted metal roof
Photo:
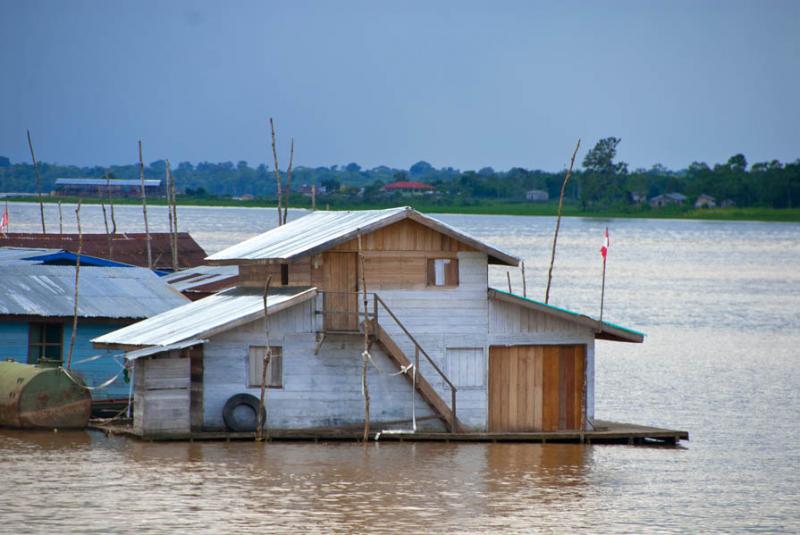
(129, 248)
(104, 292)
(603, 331)
(204, 318)
(322, 230)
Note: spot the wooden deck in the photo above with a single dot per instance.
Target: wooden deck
(605, 433)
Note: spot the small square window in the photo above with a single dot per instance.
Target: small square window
(442, 272)
(45, 340)
(256, 367)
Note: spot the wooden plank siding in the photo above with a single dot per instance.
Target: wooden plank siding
(536, 388)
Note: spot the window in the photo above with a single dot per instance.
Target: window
(442, 272)
(256, 367)
(45, 340)
(284, 274)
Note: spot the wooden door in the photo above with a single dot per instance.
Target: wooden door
(341, 291)
(536, 388)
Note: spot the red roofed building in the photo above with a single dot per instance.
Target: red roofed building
(409, 187)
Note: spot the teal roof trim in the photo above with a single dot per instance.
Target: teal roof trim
(567, 311)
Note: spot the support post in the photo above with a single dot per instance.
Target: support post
(508, 276)
(60, 221)
(277, 173)
(364, 355)
(524, 282)
(77, 280)
(260, 420)
(144, 208)
(38, 181)
(558, 221)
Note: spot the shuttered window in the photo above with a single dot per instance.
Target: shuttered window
(256, 366)
(442, 272)
(466, 367)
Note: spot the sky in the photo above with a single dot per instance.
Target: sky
(455, 83)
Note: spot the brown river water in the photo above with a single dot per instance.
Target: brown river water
(719, 302)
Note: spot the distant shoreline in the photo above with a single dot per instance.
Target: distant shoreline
(778, 215)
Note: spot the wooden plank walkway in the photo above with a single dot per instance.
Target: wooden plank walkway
(604, 433)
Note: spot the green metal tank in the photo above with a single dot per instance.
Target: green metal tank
(41, 396)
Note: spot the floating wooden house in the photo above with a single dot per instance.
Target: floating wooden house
(447, 353)
(36, 313)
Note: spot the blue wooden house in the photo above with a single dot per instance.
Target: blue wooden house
(37, 304)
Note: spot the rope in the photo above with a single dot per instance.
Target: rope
(92, 388)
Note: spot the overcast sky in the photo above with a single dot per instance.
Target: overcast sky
(462, 84)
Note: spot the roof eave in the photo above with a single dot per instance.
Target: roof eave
(602, 330)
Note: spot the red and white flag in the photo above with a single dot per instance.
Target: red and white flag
(4, 221)
(604, 248)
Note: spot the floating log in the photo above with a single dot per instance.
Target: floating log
(42, 396)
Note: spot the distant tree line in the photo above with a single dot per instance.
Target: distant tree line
(602, 182)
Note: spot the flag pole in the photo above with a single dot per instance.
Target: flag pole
(603, 287)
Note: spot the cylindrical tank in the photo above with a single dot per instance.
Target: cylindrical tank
(42, 396)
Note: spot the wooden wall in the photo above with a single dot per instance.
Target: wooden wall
(162, 395)
(395, 258)
(536, 388)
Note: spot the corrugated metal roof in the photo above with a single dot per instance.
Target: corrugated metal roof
(20, 255)
(188, 279)
(322, 230)
(104, 292)
(148, 182)
(604, 330)
(152, 350)
(206, 317)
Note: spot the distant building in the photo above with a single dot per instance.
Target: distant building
(97, 187)
(667, 199)
(537, 195)
(409, 187)
(727, 203)
(637, 197)
(705, 201)
(245, 197)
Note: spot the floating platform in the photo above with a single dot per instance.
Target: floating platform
(604, 433)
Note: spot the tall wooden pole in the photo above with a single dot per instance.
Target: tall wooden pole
(265, 364)
(365, 353)
(77, 280)
(558, 221)
(38, 181)
(60, 220)
(524, 282)
(174, 196)
(105, 223)
(277, 173)
(288, 191)
(111, 205)
(144, 208)
(172, 236)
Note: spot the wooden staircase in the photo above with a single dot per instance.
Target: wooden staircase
(425, 389)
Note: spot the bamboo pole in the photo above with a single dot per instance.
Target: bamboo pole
(277, 173)
(365, 354)
(60, 221)
(105, 223)
(558, 222)
(175, 218)
(144, 208)
(172, 236)
(288, 183)
(524, 282)
(260, 421)
(111, 206)
(77, 280)
(38, 181)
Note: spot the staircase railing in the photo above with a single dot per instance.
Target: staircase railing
(418, 349)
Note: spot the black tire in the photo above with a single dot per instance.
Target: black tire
(232, 422)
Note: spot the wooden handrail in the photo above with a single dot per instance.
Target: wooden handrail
(416, 344)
